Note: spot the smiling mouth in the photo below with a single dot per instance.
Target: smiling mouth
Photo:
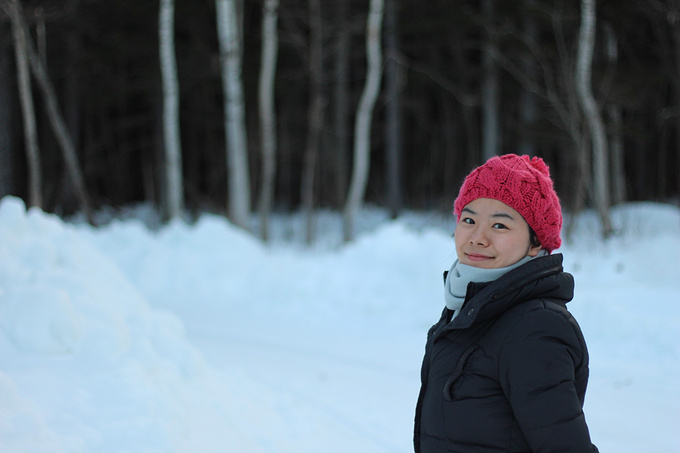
(476, 257)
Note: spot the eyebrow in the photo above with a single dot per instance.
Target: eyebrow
(503, 215)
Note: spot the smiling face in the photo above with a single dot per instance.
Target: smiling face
(491, 235)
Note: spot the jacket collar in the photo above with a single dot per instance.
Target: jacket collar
(541, 277)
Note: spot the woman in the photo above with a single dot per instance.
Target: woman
(506, 366)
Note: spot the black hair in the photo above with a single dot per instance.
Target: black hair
(533, 238)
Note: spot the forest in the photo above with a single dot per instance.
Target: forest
(248, 107)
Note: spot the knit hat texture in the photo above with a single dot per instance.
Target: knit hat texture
(522, 183)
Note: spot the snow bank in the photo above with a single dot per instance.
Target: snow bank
(86, 364)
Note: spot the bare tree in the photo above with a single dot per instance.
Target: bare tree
(270, 46)
(341, 90)
(586, 44)
(675, 23)
(491, 129)
(11, 8)
(315, 115)
(393, 84)
(171, 135)
(14, 10)
(234, 112)
(6, 113)
(362, 124)
(554, 83)
(615, 117)
(528, 107)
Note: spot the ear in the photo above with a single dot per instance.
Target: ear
(534, 249)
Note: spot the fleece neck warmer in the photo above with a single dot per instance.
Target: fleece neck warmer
(460, 275)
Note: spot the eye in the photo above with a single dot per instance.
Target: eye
(467, 220)
(499, 226)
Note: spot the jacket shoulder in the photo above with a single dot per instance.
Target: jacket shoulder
(539, 322)
(540, 313)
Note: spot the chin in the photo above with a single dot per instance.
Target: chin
(479, 264)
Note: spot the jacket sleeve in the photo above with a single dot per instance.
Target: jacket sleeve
(541, 359)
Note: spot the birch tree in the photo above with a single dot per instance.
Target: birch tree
(586, 44)
(174, 189)
(267, 113)
(364, 116)
(14, 10)
(234, 112)
(7, 112)
(11, 8)
(315, 116)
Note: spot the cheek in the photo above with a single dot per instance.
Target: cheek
(459, 238)
(516, 246)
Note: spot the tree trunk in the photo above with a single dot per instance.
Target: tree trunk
(586, 44)
(72, 105)
(362, 125)
(615, 116)
(53, 112)
(234, 112)
(675, 24)
(619, 191)
(315, 114)
(490, 86)
(35, 198)
(342, 102)
(580, 171)
(528, 100)
(171, 136)
(393, 82)
(270, 46)
(6, 113)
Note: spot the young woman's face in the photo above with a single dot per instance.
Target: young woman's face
(491, 235)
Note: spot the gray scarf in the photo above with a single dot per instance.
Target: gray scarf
(460, 275)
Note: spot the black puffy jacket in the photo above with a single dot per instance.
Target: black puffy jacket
(509, 373)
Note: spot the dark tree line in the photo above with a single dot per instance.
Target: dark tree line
(461, 80)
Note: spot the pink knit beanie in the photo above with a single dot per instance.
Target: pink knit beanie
(523, 184)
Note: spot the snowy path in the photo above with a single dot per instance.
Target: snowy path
(322, 389)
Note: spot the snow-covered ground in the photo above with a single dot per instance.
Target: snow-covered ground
(199, 338)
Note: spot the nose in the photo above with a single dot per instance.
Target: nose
(478, 237)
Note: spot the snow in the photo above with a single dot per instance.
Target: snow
(198, 337)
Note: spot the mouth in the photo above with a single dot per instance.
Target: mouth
(476, 257)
